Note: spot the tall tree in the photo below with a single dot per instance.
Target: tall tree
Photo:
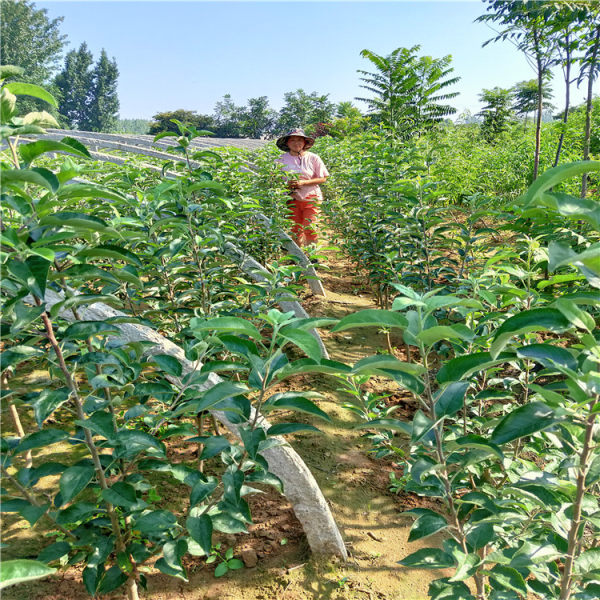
(258, 119)
(301, 110)
(409, 91)
(228, 118)
(32, 41)
(529, 25)
(103, 113)
(568, 23)
(496, 113)
(74, 83)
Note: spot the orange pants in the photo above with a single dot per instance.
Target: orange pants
(304, 214)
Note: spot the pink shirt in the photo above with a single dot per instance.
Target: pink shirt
(308, 166)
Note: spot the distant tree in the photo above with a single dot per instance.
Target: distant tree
(162, 121)
(526, 98)
(103, 104)
(347, 110)
(257, 118)
(496, 113)
(409, 92)
(74, 84)
(139, 126)
(228, 118)
(29, 39)
(530, 26)
(301, 110)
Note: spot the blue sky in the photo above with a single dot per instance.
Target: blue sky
(189, 54)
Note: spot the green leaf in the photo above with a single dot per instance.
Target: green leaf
(502, 577)
(111, 580)
(168, 364)
(121, 494)
(478, 442)
(479, 535)
(374, 365)
(236, 563)
(233, 324)
(554, 176)
(17, 354)
(31, 151)
(76, 220)
(391, 424)
(443, 332)
(428, 558)
(285, 428)
(548, 355)
(467, 365)
(574, 314)
(372, 318)
(221, 569)
(523, 421)
(81, 299)
(218, 393)
(112, 252)
(201, 491)
(427, 523)
(132, 442)
(22, 570)
(18, 88)
(444, 589)
(47, 402)
(304, 340)
(37, 176)
(89, 190)
(54, 552)
(450, 400)
(156, 522)
(588, 563)
(536, 319)
(298, 404)
(33, 273)
(38, 439)
(74, 480)
(200, 529)
(82, 330)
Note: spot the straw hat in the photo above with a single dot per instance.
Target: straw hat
(282, 141)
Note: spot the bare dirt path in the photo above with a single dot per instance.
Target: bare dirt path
(355, 485)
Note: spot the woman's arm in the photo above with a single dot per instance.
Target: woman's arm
(294, 184)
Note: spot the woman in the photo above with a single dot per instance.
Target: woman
(305, 191)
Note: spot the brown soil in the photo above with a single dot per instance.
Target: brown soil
(355, 485)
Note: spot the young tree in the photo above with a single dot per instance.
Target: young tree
(496, 113)
(409, 91)
(391, 85)
(74, 83)
(590, 69)
(103, 111)
(529, 26)
(30, 40)
(526, 98)
(429, 95)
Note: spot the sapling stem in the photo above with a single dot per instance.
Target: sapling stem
(131, 585)
(573, 548)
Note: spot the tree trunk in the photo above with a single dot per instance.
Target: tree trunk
(567, 98)
(538, 125)
(588, 110)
